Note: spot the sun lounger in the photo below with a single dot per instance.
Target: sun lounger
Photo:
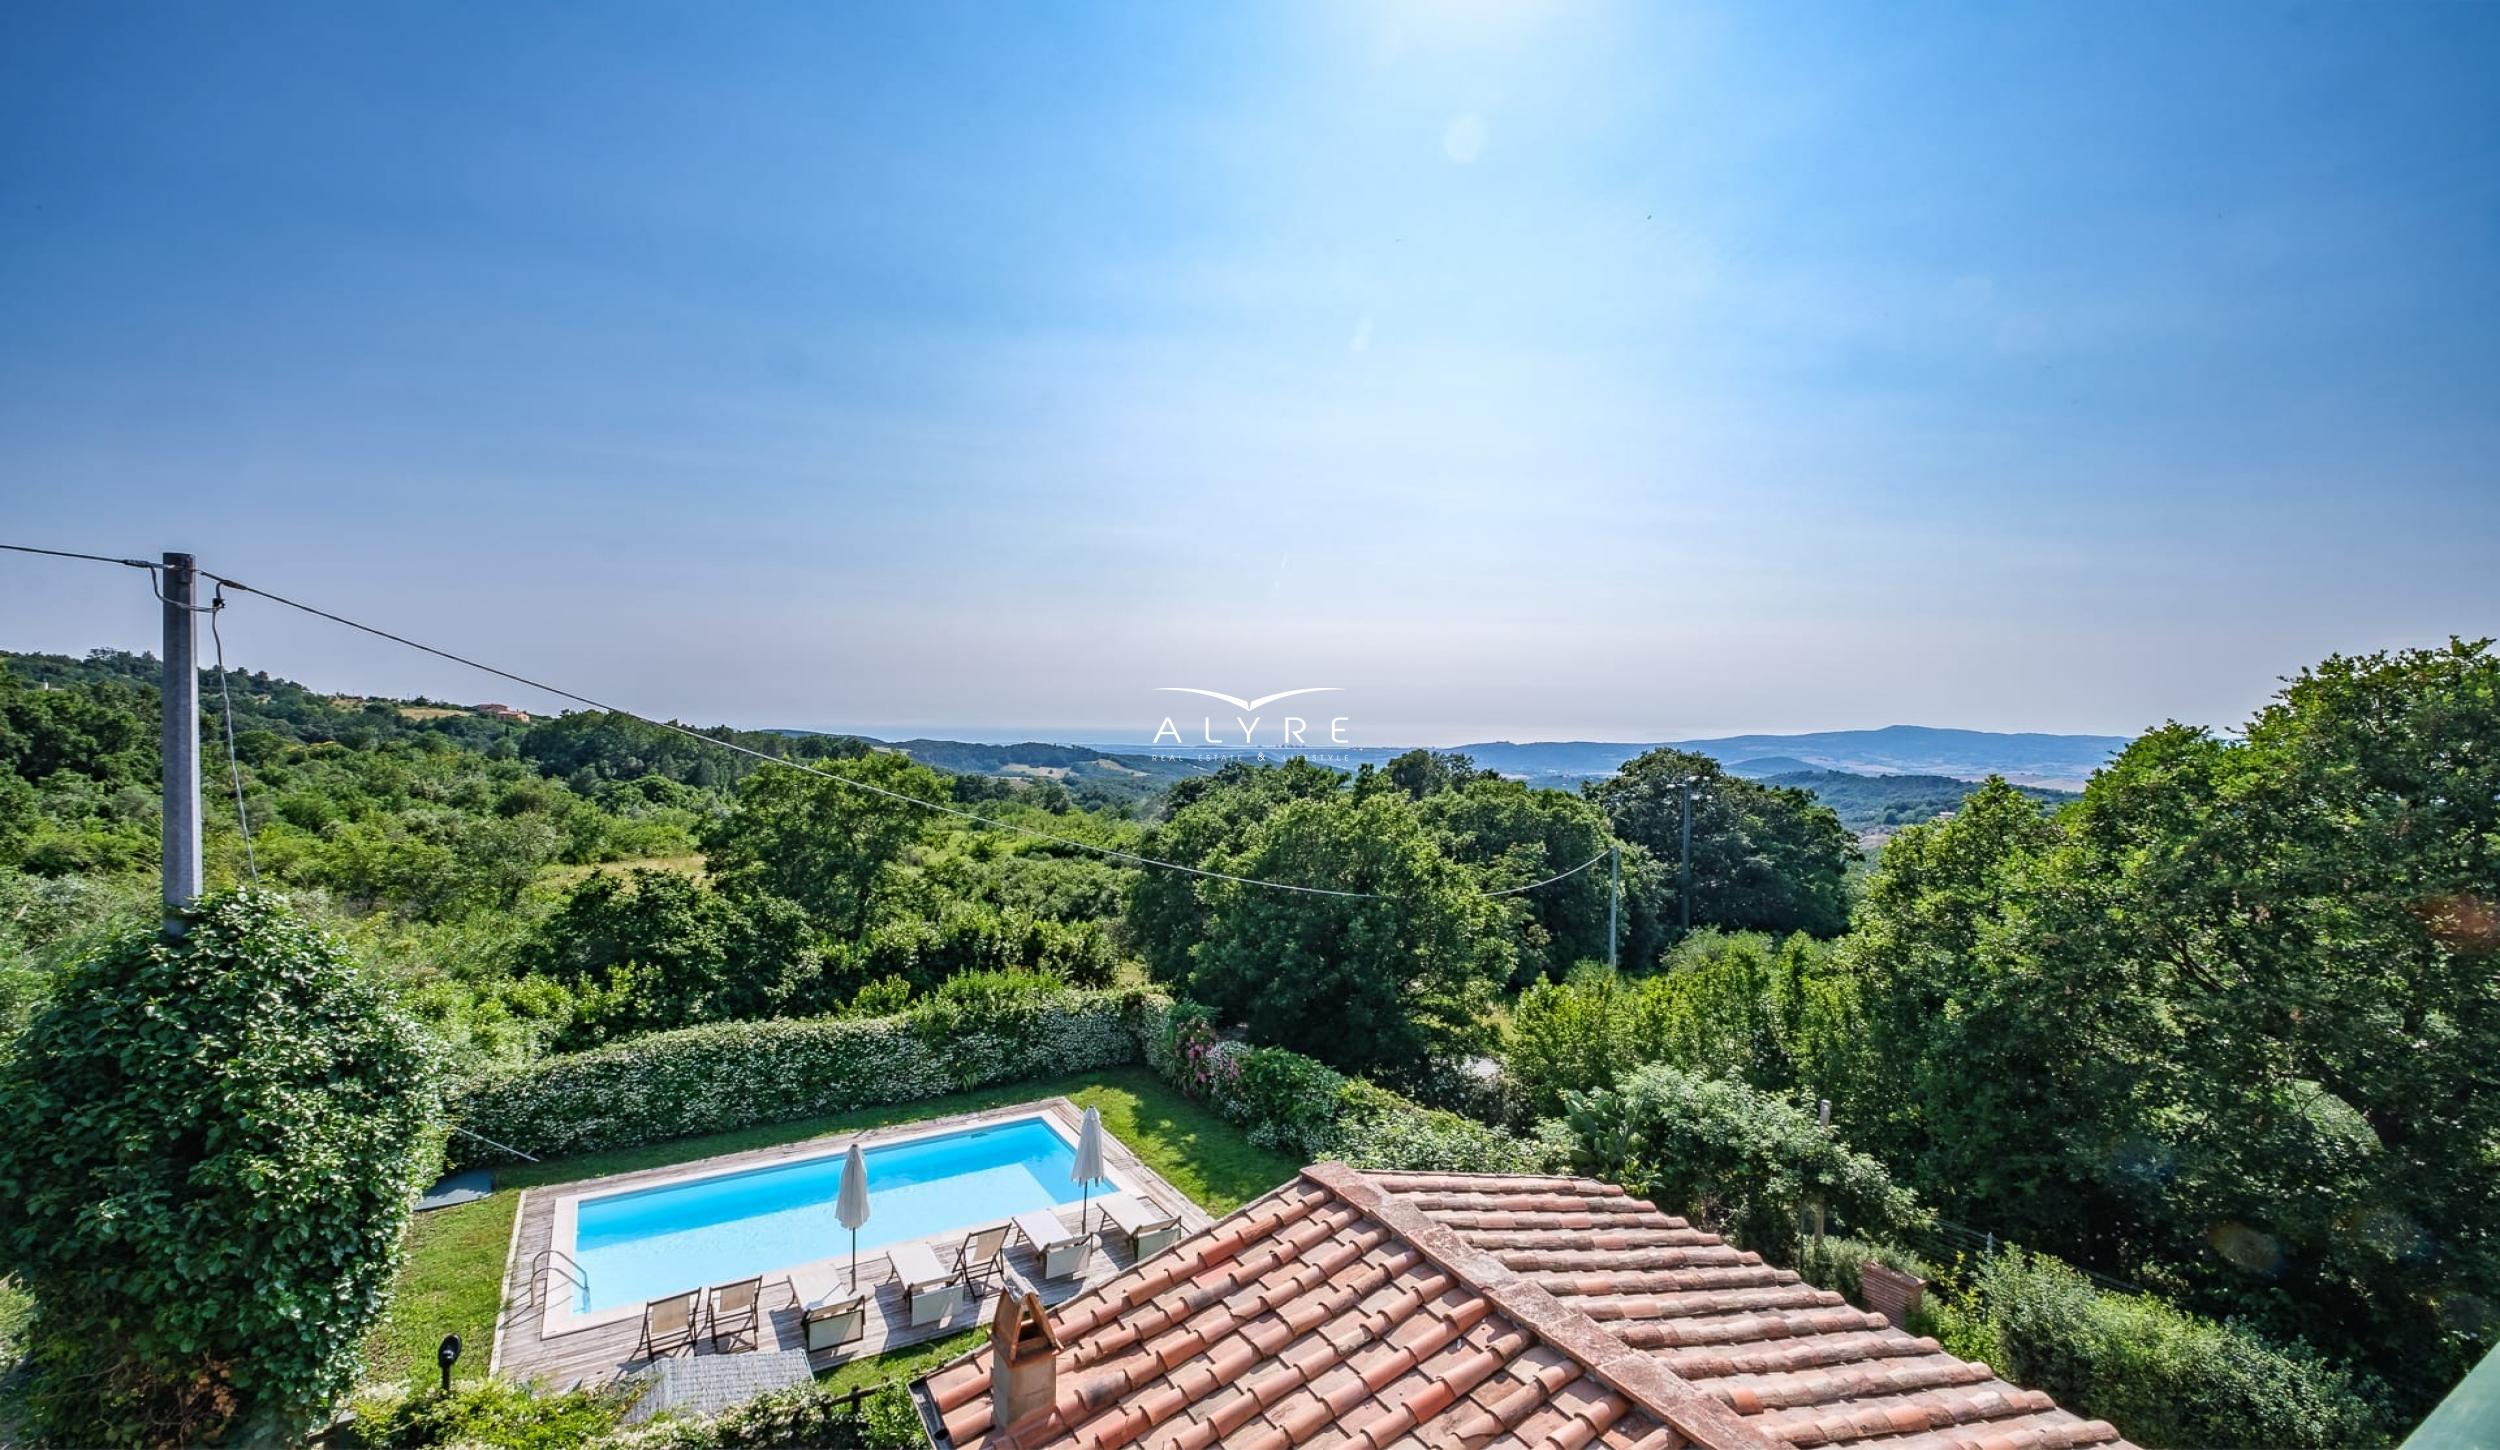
(931, 1291)
(1063, 1251)
(837, 1319)
(735, 1311)
(983, 1254)
(668, 1324)
(1142, 1222)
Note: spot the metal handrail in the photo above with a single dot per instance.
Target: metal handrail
(542, 1261)
(491, 1143)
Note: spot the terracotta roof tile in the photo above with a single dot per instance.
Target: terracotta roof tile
(1421, 1311)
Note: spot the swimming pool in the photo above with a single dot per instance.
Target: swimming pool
(678, 1236)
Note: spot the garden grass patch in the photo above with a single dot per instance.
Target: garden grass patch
(451, 1284)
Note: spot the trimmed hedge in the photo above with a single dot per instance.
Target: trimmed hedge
(730, 1075)
(981, 1028)
(1301, 1107)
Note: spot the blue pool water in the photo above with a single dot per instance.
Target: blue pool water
(667, 1240)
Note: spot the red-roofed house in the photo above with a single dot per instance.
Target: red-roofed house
(1430, 1310)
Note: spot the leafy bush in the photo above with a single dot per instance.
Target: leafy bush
(17, 1311)
(488, 1412)
(723, 1076)
(695, 954)
(2161, 1375)
(801, 1415)
(1833, 1262)
(1731, 1157)
(999, 1003)
(972, 937)
(1377, 1128)
(1295, 1104)
(884, 997)
(210, 1148)
(1778, 1014)
(518, 1417)
(1290, 1102)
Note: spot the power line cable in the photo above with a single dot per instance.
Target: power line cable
(74, 554)
(1550, 880)
(234, 765)
(235, 769)
(770, 759)
(156, 585)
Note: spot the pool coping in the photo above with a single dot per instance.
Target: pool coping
(561, 1317)
(600, 1354)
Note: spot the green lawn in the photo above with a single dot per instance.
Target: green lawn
(454, 1275)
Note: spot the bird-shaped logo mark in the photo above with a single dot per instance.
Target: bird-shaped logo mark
(1239, 703)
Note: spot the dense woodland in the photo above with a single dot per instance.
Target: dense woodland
(2221, 1027)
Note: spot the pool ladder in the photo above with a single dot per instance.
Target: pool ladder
(570, 1268)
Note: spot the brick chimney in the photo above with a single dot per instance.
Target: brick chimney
(1024, 1360)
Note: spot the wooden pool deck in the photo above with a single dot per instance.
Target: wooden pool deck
(524, 1349)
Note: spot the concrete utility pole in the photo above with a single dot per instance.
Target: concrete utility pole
(1684, 862)
(1614, 900)
(182, 736)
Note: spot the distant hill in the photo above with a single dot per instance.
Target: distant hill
(1069, 764)
(2062, 761)
(1877, 805)
(2059, 761)
(1764, 766)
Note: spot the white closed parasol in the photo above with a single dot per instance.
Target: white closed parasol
(852, 1206)
(1088, 1167)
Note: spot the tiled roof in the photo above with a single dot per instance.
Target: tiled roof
(1429, 1310)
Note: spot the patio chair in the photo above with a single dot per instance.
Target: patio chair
(1142, 1222)
(736, 1311)
(1063, 1252)
(668, 1324)
(983, 1254)
(931, 1291)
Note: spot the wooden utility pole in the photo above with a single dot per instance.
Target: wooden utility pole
(181, 736)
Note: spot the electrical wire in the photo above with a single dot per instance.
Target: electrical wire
(234, 765)
(235, 768)
(768, 758)
(1550, 880)
(73, 554)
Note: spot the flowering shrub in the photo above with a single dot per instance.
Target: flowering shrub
(728, 1075)
(1189, 1044)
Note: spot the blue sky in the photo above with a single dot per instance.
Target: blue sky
(1625, 372)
